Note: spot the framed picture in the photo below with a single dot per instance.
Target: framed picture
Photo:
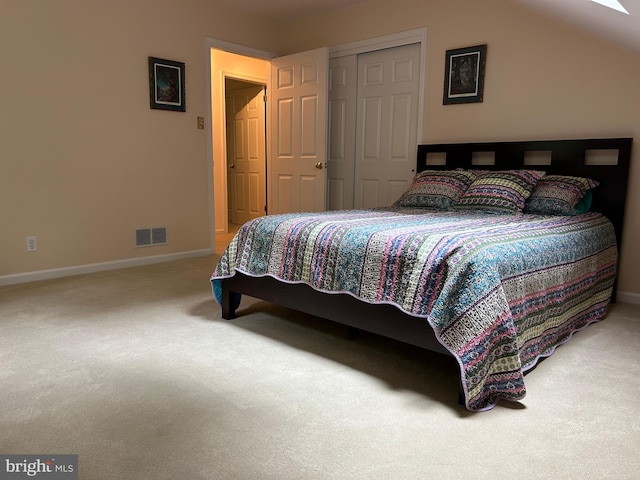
(166, 84)
(464, 75)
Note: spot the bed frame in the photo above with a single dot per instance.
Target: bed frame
(568, 157)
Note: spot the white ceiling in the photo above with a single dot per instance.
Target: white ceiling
(584, 14)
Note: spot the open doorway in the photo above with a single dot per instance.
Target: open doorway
(228, 71)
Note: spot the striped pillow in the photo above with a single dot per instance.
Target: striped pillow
(439, 189)
(560, 195)
(502, 191)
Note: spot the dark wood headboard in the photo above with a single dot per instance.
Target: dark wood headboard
(557, 157)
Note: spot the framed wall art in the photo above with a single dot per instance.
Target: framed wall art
(166, 85)
(464, 75)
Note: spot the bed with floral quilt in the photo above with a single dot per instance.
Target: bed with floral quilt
(495, 266)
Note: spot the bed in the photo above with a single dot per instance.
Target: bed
(495, 289)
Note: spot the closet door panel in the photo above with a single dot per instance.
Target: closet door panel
(343, 72)
(373, 122)
(386, 129)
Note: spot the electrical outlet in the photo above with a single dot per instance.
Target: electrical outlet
(200, 123)
(32, 245)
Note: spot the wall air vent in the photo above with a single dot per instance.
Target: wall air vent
(147, 237)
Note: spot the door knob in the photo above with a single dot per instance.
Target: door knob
(319, 165)
(232, 165)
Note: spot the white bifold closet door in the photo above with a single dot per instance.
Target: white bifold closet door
(373, 118)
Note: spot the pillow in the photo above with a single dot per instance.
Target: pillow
(561, 195)
(439, 189)
(583, 205)
(501, 191)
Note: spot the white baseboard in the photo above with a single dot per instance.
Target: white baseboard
(628, 297)
(98, 267)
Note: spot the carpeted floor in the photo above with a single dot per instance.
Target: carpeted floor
(134, 371)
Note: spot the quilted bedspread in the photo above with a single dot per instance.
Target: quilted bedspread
(499, 291)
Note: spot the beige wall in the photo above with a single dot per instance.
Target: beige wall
(83, 159)
(544, 80)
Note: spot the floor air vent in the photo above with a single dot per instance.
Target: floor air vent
(146, 237)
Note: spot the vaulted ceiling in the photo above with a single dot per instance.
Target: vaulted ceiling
(584, 14)
(591, 16)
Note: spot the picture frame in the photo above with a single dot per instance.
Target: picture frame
(167, 85)
(464, 75)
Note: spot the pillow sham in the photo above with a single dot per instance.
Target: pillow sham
(501, 191)
(440, 189)
(561, 195)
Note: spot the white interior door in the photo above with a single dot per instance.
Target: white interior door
(298, 127)
(246, 153)
(343, 88)
(386, 133)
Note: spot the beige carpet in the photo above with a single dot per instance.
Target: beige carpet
(134, 371)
